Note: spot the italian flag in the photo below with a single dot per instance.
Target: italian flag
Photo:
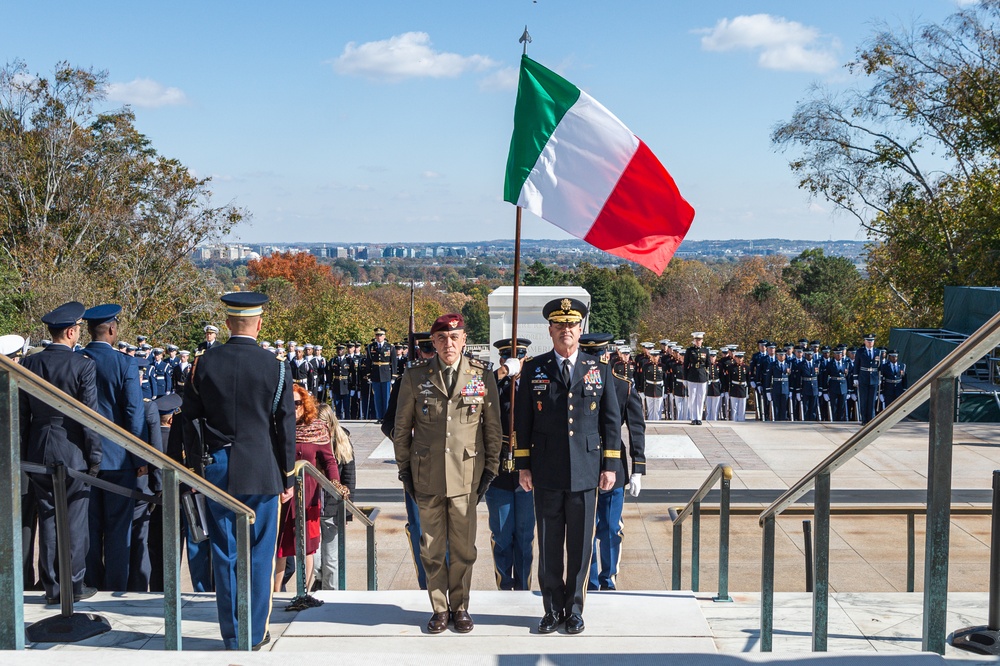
(573, 163)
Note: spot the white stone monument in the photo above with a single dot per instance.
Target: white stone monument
(530, 323)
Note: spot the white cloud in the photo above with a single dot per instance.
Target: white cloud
(146, 93)
(404, 56)
(430, 175)
(782, 44)
(501, 80)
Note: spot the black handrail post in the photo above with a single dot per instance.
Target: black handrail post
(939, 466)
(341, 545)
(696, 547)
(767, 585)
(821, 589)
(724, 495)
(807, 541)
(911, 551)
(171, 561)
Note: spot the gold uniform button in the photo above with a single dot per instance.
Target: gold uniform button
(447, 450)
(570, 433)
(571, 408)
(571, 420)
(449, 418)
(571, 394)
(447, 434)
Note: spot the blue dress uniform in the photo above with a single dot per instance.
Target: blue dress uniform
(381, 362)
(119, 400)
(511, 507)
(568, 432)
(762, 369)
(161, 375)
(807, 372)
(609, 528)
(777, 383)
(339, 374)
(866, 376)
(249, 427)
(836, 372)
(48, 437)
(893, 377)
(146, 546)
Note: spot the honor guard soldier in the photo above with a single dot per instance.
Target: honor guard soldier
(568, 446)
(653, 383)
(302, 369)
(119, 399)
(322, 374)
(680, 392)
(807, 372)
(352, 381)
(866, 376)
(713, 389)
(181, 371)
(145, 383)
(172, 358)
(211, 333)
(339, 373)
(161, 375)
(753, 369)
(48, 437)
(609, 528)
(836, 373)
(381, 361)
(777, 386)
(739, 381)
(243, 396)
(696, 376)
(893, 378)
(447, 438)
(511, 507)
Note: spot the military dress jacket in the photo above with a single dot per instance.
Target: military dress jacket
(807, 378)
(866, 369)
(119, 399)
(567, 435)
(381, 361)
(233, 388)
(339, 374)
(47, 436)
(445, 439)
(696, 364)
(835, 374)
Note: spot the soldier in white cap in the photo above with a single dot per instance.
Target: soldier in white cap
(696, 375)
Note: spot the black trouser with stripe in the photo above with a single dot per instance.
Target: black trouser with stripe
(565, 519)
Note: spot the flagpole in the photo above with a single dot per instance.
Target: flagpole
(508, 463)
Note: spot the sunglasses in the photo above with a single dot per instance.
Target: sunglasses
(298, 402)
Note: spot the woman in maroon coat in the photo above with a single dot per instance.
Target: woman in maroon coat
(312, 444)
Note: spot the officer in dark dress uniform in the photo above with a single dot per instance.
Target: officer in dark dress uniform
(836, 372)
(807, 375)
(568, 446)
(182, 369)
(49, 437)
(211, 333)
(160, 374)
(893, 377)
(739, 382)
(338, 377)
(777, 385)
(244, 395)
(119, 400)
(381, 362)
(511, 507)
(609, 529)
(866, 375)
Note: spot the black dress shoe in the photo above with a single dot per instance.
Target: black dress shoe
(438, 622)
(550, 622)
(463, 621)
(574, 623)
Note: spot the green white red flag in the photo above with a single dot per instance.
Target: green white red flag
(574, 164)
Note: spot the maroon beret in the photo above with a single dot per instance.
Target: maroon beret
(448, 322)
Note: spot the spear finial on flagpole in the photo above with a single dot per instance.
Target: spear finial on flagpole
(525, 39)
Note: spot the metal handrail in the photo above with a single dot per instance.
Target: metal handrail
(724, 473)
(365, 515)
(14, 377)
(939, 386)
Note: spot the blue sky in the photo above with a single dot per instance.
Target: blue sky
(372, 121)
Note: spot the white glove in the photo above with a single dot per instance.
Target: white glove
(634, 485)
(753, 385)
(826, 396)
(798, 398)
(513, 366)
(768, 394)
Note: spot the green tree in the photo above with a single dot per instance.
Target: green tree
(827, 288)
(912, 152)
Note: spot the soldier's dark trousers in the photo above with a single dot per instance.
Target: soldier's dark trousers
(565, 520)
(342, 405)
(866, 401)
(77, 501)
(111, 532)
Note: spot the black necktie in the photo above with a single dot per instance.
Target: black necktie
(567, 375)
